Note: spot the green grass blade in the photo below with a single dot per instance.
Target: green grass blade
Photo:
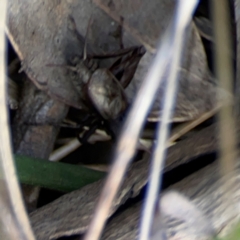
(58, 176)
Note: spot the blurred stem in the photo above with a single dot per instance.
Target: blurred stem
(227, 129)
(14, 222)
(224, 72)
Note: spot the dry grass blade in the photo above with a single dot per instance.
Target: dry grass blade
(19, 227)
(186, 127)
(182, 18)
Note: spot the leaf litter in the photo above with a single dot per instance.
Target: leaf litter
(54, 42)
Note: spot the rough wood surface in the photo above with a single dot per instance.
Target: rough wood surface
(37, 122)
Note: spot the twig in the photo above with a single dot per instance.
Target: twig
(74, 144)
(186, 127)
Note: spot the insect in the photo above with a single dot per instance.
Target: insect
(103, 89)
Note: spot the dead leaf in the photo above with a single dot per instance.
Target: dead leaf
(145, 20)
(204, 27)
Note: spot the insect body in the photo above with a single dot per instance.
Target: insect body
(106, 94)
(103, 90)
(99, 88)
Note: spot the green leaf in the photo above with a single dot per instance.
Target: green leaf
(54, 175)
